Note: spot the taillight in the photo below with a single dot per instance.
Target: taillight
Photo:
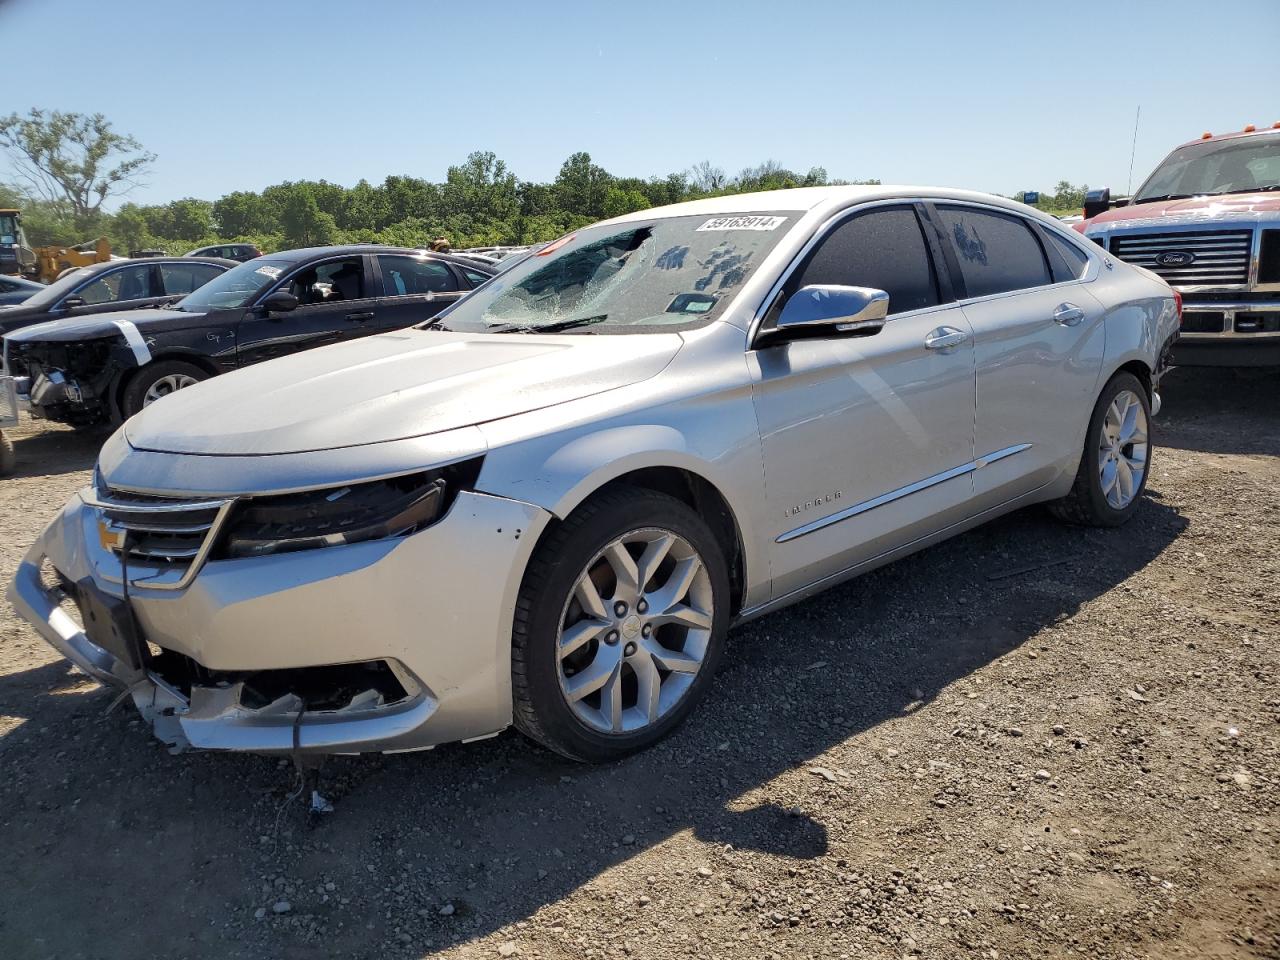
(1177, 305)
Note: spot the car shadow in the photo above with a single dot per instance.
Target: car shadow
(96, 821)
(1200, 403)
(44, 450)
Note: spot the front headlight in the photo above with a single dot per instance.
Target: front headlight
(340, 515)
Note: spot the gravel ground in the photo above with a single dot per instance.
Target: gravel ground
(1030, 741)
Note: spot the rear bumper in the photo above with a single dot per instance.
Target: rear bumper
(437, 606)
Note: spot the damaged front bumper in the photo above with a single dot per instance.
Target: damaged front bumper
(383, 646)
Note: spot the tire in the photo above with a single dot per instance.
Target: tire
(1093, 502)
(653, 652)
(154, 375)
(8, 457)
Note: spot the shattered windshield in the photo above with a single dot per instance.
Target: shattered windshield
(1243, 165)
(674, 272)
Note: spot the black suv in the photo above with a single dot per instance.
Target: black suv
(112, 365)
(230, 251)
(114, 285)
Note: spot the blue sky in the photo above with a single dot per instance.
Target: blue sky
(993, 96)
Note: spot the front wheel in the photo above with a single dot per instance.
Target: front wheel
(159, 380)
(619, 625)
(1116, 460)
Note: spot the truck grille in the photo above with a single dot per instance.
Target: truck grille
(166, 538)
(1212, 257)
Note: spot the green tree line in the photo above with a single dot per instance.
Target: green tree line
(480, 202)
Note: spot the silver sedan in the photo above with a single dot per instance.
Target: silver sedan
(548, 505)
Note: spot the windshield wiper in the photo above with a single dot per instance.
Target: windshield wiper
(556, 327)
(435, 323)
(1163, 196)
(1263, 189)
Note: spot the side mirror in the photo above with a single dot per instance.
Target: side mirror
(70, 303)
(827, 309)
(1100, 201)
(281, 301)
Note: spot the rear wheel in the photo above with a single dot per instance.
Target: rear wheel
(619, 625)
(159, 380)
(1116, 460)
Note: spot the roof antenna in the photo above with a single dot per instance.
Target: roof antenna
(1134, 151)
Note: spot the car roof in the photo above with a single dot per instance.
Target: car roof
(815, 202)
(310, 253)
(121, 261)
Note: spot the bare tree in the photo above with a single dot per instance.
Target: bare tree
(707, 178)
(73, 160)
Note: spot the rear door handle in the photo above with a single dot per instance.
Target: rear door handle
(945, 338)
(1068, 314)
(359, 317)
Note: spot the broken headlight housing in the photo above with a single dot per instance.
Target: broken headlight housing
(353, 513)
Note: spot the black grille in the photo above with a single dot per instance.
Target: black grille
(1269, 257)
(1190, 258)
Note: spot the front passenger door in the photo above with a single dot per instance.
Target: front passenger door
(335, 303)
(867, 440)
(414, 289)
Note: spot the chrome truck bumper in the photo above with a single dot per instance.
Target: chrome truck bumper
(434, 609)
(1229, 333)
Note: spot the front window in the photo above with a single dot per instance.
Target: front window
(664, 274)
(238, 287)
(1244, 165)
(8, 228)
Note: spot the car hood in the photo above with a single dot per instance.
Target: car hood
(97, 325)
(1193, 209)
(392, 387)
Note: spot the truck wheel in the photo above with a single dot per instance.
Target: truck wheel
(159, 380)
(8, 458)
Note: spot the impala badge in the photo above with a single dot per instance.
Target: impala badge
(1175, 258)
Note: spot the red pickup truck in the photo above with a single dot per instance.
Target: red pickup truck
(1208, 222)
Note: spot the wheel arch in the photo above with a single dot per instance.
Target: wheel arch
(655, 461)
(127, 376)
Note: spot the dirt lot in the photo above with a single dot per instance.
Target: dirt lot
(1030, 741)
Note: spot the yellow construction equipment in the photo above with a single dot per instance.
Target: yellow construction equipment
(52, 262)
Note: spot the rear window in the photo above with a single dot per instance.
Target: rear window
(998, 253)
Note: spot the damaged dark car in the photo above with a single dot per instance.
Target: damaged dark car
(107, 367)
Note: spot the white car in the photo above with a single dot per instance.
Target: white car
(548, 505)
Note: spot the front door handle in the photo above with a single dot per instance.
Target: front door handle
(359, 317)
(1068, 314)
(945, 338)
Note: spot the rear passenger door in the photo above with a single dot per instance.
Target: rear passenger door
(181, 278)
(413, 289)
(336, 302)
(1038, 345)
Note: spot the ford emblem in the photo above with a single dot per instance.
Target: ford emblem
(1175, 258)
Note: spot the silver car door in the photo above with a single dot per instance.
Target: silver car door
(867, 441)
(1038, 344)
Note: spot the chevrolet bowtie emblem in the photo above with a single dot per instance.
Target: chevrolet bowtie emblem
(110, 536)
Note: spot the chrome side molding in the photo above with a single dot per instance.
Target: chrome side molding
(892, 495)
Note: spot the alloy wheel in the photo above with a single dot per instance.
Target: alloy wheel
(634, 631)
(167, 385)
(1122, 449)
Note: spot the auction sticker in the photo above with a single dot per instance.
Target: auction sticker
(268, 271)
(752, 222)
